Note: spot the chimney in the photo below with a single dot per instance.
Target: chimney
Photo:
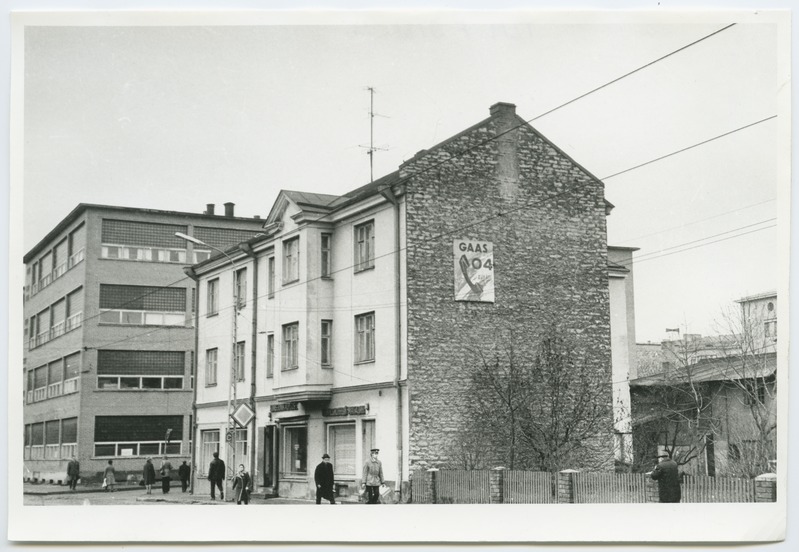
(229, 209)
(209, 209)
(502, 108)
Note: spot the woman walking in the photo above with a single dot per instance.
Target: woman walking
(149, 475)
(109, 477)
(242, 486)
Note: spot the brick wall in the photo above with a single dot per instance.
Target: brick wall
(546, 219)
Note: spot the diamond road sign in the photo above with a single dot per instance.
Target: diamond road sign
(243, 415)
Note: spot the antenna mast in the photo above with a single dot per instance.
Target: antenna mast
(371, 149)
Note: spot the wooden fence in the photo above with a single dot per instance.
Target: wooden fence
(609, 488)
(702, 488)
(525, 487)
(463, 487)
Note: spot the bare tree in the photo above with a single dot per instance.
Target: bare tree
(549, 410)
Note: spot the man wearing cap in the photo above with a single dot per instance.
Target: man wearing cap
(323, 476)
(373, 477)
(667, 475)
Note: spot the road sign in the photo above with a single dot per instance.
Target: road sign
(243, 415)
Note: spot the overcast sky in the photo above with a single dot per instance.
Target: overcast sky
(174, 117)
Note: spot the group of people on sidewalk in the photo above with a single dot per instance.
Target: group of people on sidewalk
(372, 479)
(165, 470)
(242, 482)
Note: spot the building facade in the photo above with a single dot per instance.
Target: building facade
(352, 322)
(109, 337)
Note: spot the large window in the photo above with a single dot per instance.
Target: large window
(142, 305)
(239, 360)
(270, 355)
(211, 356)
(291, 260)
(327, 343)
(291, 334)
(51, 440)
(270, 278)
(341, 445)
(327, 242)
(240, 283)
(295, 451)
(365, 337)
(365, 246)
(209, 444)
(54, 379)
(140, 369)
(64, 315)
(213, 297)
(123, 436)
(142, 241)
(242, 450)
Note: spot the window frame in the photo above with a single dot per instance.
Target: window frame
(270, 277)
(270, 355)
(212, 297)
(326, 344)
(368, 334)
(326, 254)
(290, 349)
(211, 367)
(291, 260)
(364, 253)
(240, 356)
(288, 461)
(240, 287)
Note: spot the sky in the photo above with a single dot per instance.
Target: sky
(175, 117)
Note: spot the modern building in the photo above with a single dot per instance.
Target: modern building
(109, 337)
(351, 322)
(712, 403)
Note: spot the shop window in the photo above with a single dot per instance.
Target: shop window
(295, 453)
(341, 446)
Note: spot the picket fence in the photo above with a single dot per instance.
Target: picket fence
(526, 487)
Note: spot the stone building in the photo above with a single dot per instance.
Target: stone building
(109, 336)
(350, 323)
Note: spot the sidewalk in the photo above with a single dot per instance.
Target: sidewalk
(52, 489)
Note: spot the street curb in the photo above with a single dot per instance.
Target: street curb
(44, 492)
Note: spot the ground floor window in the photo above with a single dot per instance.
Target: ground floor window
(295, 450)
(51, 440)
(123, 436)
(242, 451)
(341, 446)
(209, 444)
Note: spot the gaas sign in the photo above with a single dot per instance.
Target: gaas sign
(474, 271)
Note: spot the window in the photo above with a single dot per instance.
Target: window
(755, 392)
(295, 453)
(291, 260)
(142, 305)
(326, 343)
(270, 355)
(365, 246)
(242, 451)
(290, 346)
(327, 240)
(213, 297)
(368, 441)
(239, 361)
(142, 241)
(140, 369)
(270, 278)
(365, 337)
(200, 256)
(210, 366)
(240, 283)
(771, 328)
(341, 444)
(209, 444)
(122, 436)
(51, 440)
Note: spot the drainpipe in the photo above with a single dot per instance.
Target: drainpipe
(247, 249)
(388, 193)
(189, 271)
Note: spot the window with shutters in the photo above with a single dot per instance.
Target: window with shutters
(142, 305)
(140, 370)
(126, 436)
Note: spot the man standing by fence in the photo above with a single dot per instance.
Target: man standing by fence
(373, 477)
(667, 475)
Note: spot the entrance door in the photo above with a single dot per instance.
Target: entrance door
(269, 457)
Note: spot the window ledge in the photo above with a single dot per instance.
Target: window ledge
(290, 369)
(372, 361)
(210, 385)
(365, 269)
(288, 282)
(212, 314)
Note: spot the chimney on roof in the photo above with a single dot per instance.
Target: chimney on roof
(229, 209)
(209, 209)
(502, 108)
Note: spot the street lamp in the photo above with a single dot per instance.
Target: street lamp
(230, 436)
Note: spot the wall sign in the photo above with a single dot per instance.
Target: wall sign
(345, 411)
(283, 407)
(474, 271)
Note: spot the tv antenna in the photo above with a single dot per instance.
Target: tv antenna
(371, 148)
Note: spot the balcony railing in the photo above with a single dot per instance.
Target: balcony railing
(53, 390)
(39, 394)
(73, 322)
(70, 386)
(56, 273)
(50, 452)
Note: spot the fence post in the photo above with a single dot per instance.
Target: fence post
(496, 483)
(432, 484)
(566, 486)
(766, 487)
(652, 492)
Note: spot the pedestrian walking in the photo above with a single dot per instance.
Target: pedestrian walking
(109, 477)
(216, 474)
(166, 477)
(184, 473)
(373, 477)
(323, 477)
(73, 473)
(667, 474)
(242, 486)
(148, 475)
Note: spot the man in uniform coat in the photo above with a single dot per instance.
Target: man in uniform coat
(667, 475)
(373, 477)
(216, 475)
(323, 476)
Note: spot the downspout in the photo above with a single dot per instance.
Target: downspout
(189, 271)
(247, 249)
(388, 193)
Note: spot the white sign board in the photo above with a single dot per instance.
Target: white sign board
(474, 270)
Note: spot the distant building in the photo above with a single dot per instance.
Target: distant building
(109, 336)
(355, 315)
(728, 421)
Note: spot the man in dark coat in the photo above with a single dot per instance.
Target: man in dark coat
(323, 476)
(667, 475)
(216, 475)
(73, 473)
(184, 472)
